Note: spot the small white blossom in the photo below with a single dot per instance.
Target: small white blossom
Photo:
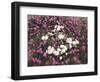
(77, 42)
(50, 49)
(49, 33)
(70, 45)
(63, 47)
(69, 40)
(74, 43)
(58, 28)
(66, 54)
(63, 51)
(56, 53)
(61, 36)
(60, 57)
(44, 37)
(62, 27)
(58, 49)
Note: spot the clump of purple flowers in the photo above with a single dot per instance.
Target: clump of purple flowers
(57, 40)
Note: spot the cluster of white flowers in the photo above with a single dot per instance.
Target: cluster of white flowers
(50, 33)
(60, 50)
(50, 49)
(71, 42)
(63, 49)
(60, 57)
(45, 37)
(58, 27)
(61, 36)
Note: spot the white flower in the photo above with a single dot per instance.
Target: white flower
(60, 57)
(63, 47)
(56, 53)
(58, 28)
(58, 49)
(44, 37)
(74, 43)
(61, 36)
(53, 30)
(77, 42)
(70, 45)
(49, 33)
(69, 40)
(50, 49)
(62, 27)
(63, 51)
(66, 54)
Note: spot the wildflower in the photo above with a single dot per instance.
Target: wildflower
(44, 37)
(63, 51)
(66, 54)
(53, 30)
(70, 45)
(58, 49)
(49, 33)
(61, 36)
(60, 57)
(50, 50)
(69, 40)
(63, 47)
(62, 27)
(56, 53)
(49, 47)
(58, 28)
(75, 42)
